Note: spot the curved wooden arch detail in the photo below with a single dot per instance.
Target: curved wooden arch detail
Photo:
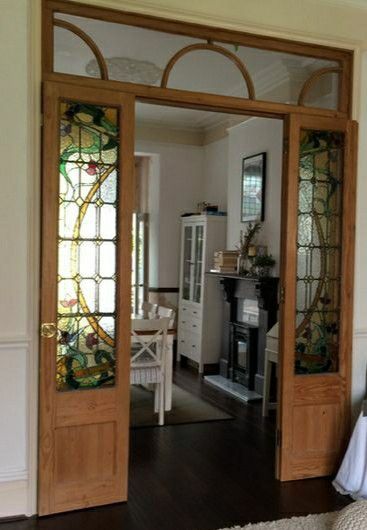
(214, 48)
(315, 76)
(88, 41)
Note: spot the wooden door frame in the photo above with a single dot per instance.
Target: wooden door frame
(197, 100)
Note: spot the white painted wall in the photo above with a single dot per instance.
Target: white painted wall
(216, 173)
(178, 170)
(18, 270)
(182, 175)
(249, 138)
(154, 189)
(360, 291)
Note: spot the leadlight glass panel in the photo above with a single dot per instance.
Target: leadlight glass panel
(319, 251)
(86, 313)
(140, 55)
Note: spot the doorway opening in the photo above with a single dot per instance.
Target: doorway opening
(154, 269)
(212, 183)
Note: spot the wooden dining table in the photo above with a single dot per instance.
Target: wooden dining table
(168, 371)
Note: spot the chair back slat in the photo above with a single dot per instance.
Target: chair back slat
(151, 338)
(167, 312)
(149, 309)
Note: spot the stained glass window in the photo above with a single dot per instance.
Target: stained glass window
(319, 252)
(86, 313)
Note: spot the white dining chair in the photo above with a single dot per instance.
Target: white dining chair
(147, 366)
(149, 309)
(167, 312)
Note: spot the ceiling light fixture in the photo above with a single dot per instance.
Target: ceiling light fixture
(127, 69)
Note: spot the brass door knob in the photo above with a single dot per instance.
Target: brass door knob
(48, 330)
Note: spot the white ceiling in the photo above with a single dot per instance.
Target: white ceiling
(276, 76)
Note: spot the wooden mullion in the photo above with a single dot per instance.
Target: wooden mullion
(345, 88)
(287, 330)
(47, 38)
(348, 252)
(49, 252)
(196, 100)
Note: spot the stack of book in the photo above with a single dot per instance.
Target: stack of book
(225, 261)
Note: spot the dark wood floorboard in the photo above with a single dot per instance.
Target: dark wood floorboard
(203, 476)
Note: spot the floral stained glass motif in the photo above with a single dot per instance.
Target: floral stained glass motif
(319, 252)
(86, 313)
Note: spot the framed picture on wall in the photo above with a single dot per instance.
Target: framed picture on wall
(253, 188)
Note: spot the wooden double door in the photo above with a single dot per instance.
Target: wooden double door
(87, 203)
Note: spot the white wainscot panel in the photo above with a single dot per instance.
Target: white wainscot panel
(13, 426)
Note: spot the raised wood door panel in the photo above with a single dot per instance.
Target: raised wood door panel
(318, 223)
(85, 348)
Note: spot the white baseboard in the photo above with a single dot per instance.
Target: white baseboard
(13, 498)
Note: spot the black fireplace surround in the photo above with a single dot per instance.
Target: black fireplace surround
(250, 310)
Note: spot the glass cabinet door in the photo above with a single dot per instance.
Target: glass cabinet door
(198, 263)
(187, 262)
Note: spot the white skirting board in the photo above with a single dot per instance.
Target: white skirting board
(13, 498)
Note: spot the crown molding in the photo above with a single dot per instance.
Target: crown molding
(205, 14)
(160, 133)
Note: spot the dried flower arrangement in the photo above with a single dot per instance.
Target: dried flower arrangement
(247, 238)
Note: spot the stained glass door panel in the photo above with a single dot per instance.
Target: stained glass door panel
(315, 342)
(87, 191)
(89, 140)
(319, 240)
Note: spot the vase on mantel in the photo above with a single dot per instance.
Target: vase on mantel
(242, 265)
